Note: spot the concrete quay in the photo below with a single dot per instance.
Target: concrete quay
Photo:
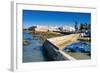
(63, 41)
(54, 47)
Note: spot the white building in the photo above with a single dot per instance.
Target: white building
(68, 28)
(41, 28)
(44, 28)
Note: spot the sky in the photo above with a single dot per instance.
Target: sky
(54, 18)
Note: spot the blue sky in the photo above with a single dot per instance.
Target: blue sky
(53, 18)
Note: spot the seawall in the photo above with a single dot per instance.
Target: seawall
(54, 50)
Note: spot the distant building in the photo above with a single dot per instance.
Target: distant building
(53, 29)
(68, 28)
(43, 28)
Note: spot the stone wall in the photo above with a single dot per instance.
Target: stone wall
(53, 52)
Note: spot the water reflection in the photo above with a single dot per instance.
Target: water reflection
(33, 52)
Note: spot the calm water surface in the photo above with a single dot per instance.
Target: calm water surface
(34, 51)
